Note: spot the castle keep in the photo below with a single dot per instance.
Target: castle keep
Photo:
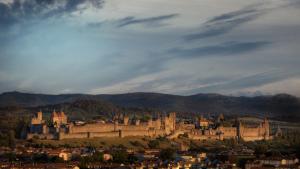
(202, 129)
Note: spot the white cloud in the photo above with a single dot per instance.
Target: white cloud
(68, 56)
(289, 85)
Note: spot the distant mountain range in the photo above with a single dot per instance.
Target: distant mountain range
(281, 106)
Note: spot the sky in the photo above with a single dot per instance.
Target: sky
(230, 47)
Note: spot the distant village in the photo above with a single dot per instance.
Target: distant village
(148, 158)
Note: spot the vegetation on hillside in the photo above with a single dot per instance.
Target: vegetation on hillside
(281, 106)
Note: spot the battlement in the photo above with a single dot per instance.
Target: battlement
(38, 119)
(59, 118)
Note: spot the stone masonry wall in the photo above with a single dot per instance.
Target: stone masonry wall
(98, 127)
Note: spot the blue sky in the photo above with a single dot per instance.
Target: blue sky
(170, 46)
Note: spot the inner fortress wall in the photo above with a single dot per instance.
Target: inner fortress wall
(185, 126)
(41, 136)
(203, 137)
(105, 134)
(125, 133)
(250, 132)
(147, 133)
(247, 138)
(97, 127)
(229, 132)
(156, 124)
(72, 135)
(94, 128)
(141, 127)
(156, 133)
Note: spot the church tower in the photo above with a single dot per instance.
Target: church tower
(266, 127)
(240, 129)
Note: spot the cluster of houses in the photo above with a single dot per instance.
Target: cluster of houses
(150, 158)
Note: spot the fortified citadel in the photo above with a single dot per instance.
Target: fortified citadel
(202, 129)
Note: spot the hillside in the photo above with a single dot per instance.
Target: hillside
(81, 109)
(282, 106)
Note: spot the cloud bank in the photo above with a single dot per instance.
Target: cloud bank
(117, 46)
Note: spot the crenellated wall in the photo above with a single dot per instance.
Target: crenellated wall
(97, 127)
(59, 118)
(125, 133)
(203, 137)
(228, 132)
(262, 132)
(186, 127)
(155, 124)
(38, 119)
(141, 127)
(72, 135)
(105, 134)
(250, 132)
(41, 136)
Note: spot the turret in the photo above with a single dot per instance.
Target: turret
(54, 114)
(220, 118)
(137, 122)
(266, 127)
(40, 115)
(278, 132)
(58, 118)
(150, 122)
(240, 129)
(203, 122)
(125, 120)
(220, 133)
(38, 119)
(172, 117)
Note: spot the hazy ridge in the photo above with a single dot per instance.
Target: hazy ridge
(281, 106)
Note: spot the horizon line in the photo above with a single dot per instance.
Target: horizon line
(229, 95)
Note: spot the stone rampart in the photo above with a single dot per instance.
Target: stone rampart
(251, 132)
(141, 127)
(229, 132)
(105, 134)
(40, 136)
(125, 133)
(73, 135)
(247, 138)
(95, 128)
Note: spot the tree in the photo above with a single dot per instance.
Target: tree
(21, 126)
(119, 156)
(10, 156)
(97, 156)
(41, 158)
(145, 118)
(167, 154)
(136, 144)
(84, 162)
(11, 139)
(153, 144)
(260, 149)
(132, 159)
(231, 143)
